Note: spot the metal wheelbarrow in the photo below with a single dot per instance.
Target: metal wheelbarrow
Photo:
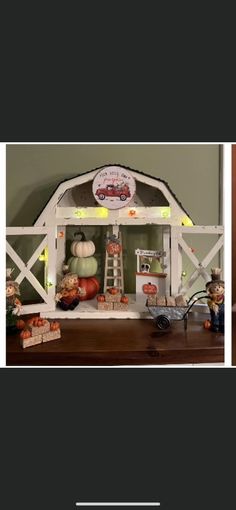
(164, 315)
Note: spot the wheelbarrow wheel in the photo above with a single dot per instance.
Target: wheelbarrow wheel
(162, 322)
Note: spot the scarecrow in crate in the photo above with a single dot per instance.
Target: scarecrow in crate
(13, 304)
(69, 293)
(215, 290)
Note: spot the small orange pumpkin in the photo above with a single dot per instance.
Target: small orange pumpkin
(207, 324)
(124, 299)
(101, 298)
(20, 324)
(113, 248)
(113, 290)
(54, 325)
(25, 333)
(35, 321)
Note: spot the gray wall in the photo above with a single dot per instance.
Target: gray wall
(192, 172)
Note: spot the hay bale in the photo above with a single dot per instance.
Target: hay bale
(103, 306)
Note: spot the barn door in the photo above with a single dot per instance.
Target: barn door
(31, 251)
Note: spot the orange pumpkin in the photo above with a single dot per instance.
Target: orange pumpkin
(113, 248)
(35, 321)
(25, 334)
(101, 298)
(113, 290)
(207, 324)
(20, 324)
(149, 288)
(124, 299)
(54, 325)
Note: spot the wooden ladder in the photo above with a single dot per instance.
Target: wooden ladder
(114, 273)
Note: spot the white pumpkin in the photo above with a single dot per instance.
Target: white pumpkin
(82, 248)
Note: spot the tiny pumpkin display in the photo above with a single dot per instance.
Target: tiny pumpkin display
(101, 298)
(82, 248)
(149, 288)
(124, 299)
(25, 333)
(20, 324)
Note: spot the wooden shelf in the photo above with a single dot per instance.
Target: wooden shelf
(121, 342)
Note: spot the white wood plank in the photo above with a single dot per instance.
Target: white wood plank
(166, 259)
(15, 257)
(15, 231)
(37, 253)
(61, 249)
(51, 265)
(175, 280)
(49, 210)
(202, 229)
(219, 244)
(187, 250)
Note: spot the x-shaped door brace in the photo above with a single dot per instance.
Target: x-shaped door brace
(25, 268)
(200, 266)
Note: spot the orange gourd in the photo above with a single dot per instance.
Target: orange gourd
(113, 290)
(124, 299)
(25, 334)
(101, 298)
(207, 324)
(54, 326)
(20, 324)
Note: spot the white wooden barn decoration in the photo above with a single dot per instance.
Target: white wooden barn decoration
(73, 203)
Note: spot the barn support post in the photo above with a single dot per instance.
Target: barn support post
(176, 261)
(61, 250)
(166, 249)
(51, 267)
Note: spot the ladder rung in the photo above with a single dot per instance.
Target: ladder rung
(113, 277)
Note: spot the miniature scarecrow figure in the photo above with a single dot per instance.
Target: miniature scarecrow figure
(69, 293)
(215, 290)
(13, 304)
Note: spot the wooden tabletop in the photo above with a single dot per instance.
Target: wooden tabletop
(120, 342)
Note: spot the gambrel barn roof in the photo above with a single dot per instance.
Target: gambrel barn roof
(150, 192)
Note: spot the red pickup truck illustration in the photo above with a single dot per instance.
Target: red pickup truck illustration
(112, 190)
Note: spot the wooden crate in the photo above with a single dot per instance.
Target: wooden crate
(105, 306)
(32, 340)
(51, 335)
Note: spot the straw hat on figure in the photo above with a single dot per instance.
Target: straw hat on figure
(216, 290)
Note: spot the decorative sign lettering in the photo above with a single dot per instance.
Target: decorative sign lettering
(113, 187)
(150, 253)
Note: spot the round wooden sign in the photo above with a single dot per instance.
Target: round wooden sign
(113, 187)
